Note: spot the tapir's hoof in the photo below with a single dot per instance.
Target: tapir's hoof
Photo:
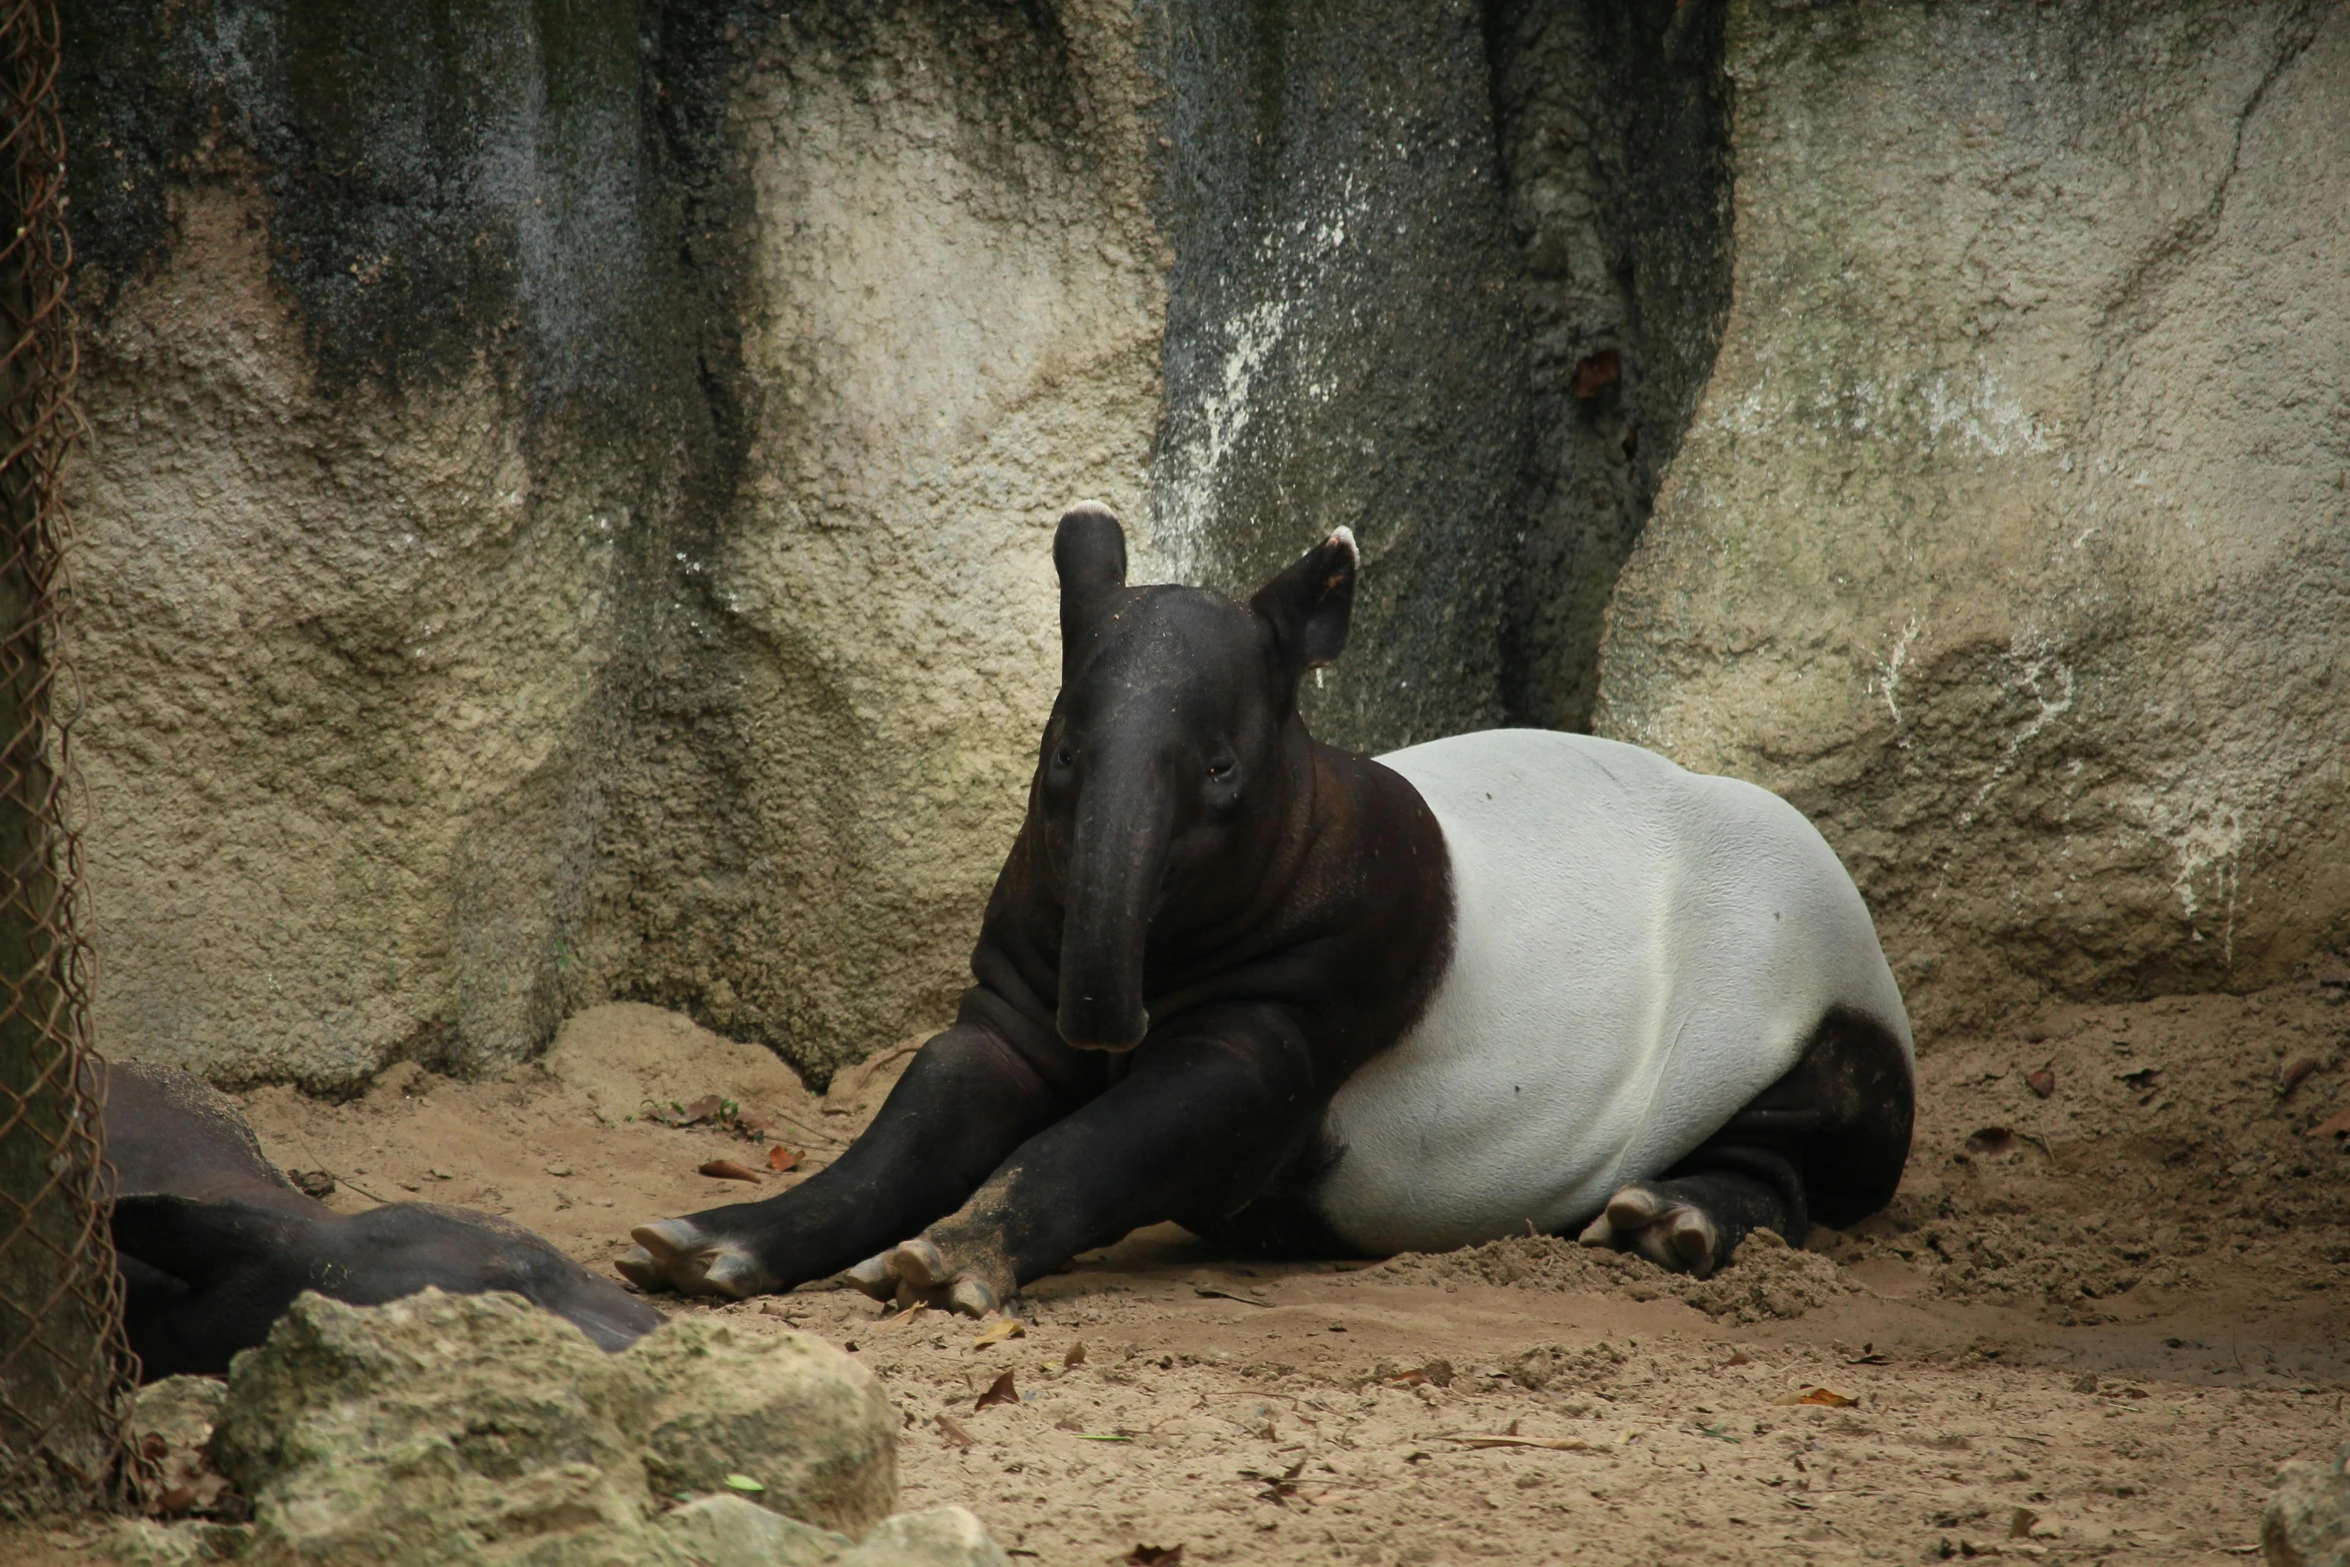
(637, 1266)
(919, 1273)
(677, 1254)
(919, 1264)
(874, 1278)
(1675, 1235)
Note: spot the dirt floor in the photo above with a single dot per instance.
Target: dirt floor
(2104, 1308)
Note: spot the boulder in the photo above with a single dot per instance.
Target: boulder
(481, 1429)
(2011, 536)
(785, 1409)
(2308, 1519)
(724, 1530)
(439, 1427)
(938, 1537)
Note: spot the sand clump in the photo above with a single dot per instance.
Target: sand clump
(1766, 1278)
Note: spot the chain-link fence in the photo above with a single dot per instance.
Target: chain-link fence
(64, 1367)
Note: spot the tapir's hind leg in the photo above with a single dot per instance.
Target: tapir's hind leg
(1826, 1142)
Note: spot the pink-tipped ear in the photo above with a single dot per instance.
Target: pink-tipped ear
(1089, 552)
(1310, 605)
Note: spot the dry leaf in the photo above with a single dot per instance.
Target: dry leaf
(1153, 1556)
(750, 1123)
(2293, 1075)
(2332, 1126)
(999, 1330)
(1075, 1355)
(2019, 1523)
(780, 1158)
(1992, 1140)
(728, 1170)
(903, 1317)
(952, 1429)
(1278, 1488)
(2043, 1082)
(1825, 1396)
(1000, 1391)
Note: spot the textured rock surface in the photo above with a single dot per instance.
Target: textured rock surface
(728, 1529)
(789, 1411)
(1343, 337)
(938, 1537)
(2009, 538)
(440, 1425)
(567, 505)
(478, 1428)
(2308, 1519)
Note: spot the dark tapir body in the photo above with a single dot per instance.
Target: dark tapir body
(215, 1243)
(1308, 1000)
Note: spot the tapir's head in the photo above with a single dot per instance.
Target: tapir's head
(1164, 781)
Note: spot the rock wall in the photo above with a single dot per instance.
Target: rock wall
(568, 502)
(567, 506)
(2009, 539)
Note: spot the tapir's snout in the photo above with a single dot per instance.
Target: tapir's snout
(1118, 858)
(1110, 1022)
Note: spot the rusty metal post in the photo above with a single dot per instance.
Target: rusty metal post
(65, 1371)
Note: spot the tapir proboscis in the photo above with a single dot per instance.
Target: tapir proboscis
(1311, 1002)
(215, 1243)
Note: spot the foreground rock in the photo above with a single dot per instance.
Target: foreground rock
(2308, 1520)
(479, 1429)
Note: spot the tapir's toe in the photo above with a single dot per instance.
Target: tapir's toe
(1634, 1208)
(874, 1277)
(638, 1267)
(1693, 1236)
(973, 1298)
(920, 1265)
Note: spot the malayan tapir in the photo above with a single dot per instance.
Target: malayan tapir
(1312, 1002)
(215, 1243)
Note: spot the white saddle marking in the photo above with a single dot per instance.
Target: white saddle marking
(1637, 952)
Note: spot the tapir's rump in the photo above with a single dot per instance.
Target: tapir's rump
(1637, 952)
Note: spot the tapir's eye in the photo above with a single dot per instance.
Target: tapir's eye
(1221, 769)
(1064, 757)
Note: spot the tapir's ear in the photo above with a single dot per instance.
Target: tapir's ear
(1309, 605)
(1089, 551)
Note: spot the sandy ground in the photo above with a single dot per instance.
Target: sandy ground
(2091, 1326)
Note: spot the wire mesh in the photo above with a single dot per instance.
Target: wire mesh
(65, 1369)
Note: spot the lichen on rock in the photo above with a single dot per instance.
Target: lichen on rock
(477, 1428)
(787, 1410)
(2308, 1519)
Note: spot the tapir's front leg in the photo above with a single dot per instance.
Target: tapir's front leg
(966, 1101)
(1204, 1118)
